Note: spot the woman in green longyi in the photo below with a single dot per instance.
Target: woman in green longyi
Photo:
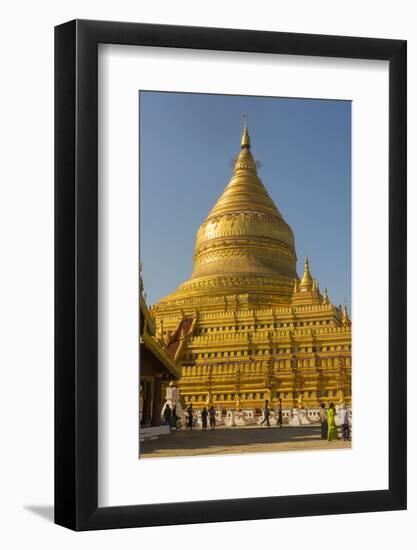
(332, 429)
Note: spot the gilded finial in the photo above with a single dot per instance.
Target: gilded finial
(325, 297)
(296, 286)
(345, 320)
(307, 280)
(245, 143)
(245, 163)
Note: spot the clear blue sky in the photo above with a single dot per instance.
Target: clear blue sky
(187, 142)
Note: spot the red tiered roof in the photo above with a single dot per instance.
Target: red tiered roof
(174, 342)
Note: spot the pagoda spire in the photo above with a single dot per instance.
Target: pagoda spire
(307, 279)
(245, 143)
(245, 164)
(325, 297)
(296, 286)
(244, 235)
(345, 320)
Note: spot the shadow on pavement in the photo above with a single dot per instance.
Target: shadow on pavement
(229, 438)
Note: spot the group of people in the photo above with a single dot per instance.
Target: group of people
(328, 423)
(327, 419)
(209, 415)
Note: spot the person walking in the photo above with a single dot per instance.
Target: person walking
(212, 417)
(323, 421)
(204, 415)
(266, 414)
(331, 429)
(279, 413)
(345, 424)
(168, 416)
(174, 420)
(190, 416)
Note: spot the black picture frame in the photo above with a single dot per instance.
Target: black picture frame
(76, 272)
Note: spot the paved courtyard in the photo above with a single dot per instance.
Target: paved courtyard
(237, 440)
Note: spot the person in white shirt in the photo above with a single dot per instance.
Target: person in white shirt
(345, 423)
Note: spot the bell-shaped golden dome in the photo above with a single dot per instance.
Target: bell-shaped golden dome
(245, 233)
(244, 245)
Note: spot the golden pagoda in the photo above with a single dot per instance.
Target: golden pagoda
(244, 328)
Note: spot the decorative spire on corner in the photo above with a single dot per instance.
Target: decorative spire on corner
(345, 321)
(307, 279)
(296, 286)
(325, 298)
